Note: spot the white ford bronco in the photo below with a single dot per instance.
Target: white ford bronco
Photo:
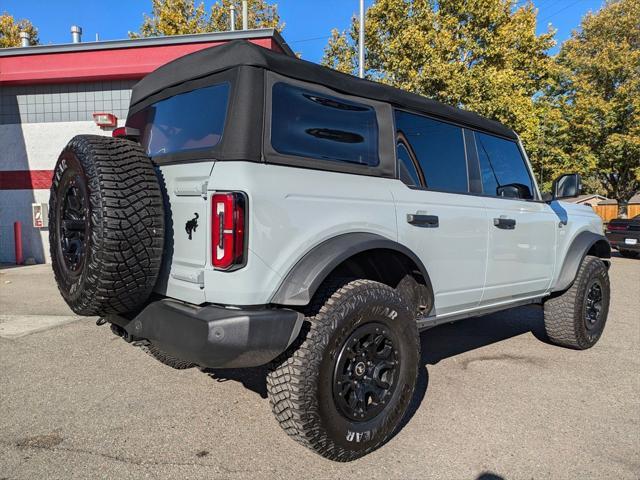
(259, 209)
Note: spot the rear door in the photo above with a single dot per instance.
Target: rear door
(186, 229)
(522, 229)
(437, 218)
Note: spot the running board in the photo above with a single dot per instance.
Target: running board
(431, 321)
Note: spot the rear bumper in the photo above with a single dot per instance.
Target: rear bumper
(213, 336)
(617, 240)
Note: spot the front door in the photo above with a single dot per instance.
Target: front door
(522, 230)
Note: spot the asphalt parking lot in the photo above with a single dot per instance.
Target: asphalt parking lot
(494, 401)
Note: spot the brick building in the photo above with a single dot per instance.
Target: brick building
(49, 93)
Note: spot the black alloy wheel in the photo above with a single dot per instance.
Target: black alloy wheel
(365, 372)
(74, 222)
(593, 305)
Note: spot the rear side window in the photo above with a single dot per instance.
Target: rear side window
(188, 121)
(308, 124)
(439, 148)
(502, 165)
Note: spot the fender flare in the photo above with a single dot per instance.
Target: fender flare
(304, 278)
(582, 243)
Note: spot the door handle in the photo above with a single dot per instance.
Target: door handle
(428, 221)
(505, 223)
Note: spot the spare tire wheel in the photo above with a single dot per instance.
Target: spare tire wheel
(106, 225)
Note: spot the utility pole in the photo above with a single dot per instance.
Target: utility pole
(361, 42)
(245, 15)
(232, 18)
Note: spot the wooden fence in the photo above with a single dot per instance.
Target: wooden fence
(633, 210)
(607, 212)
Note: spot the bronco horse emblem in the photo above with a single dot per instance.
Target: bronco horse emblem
(192, 225)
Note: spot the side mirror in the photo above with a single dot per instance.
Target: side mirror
(568, 185)
(513, 190)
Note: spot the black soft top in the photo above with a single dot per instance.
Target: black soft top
(243, 53)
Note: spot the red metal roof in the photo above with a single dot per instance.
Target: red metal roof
(126, 59)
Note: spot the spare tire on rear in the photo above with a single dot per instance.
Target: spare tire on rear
(106, 225)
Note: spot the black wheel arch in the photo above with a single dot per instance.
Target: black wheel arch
(585, 243)
(360, 250)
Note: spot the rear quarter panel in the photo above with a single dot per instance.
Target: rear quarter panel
(292, 210)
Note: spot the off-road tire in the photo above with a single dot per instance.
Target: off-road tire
(300, 381)
(169, 360)
(629, 253)
(564, 314)
(122, 225)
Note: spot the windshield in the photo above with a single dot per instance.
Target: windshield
(189, 121)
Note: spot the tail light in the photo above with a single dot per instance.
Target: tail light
(126, 132)
(616, 227)
(119, 132)
(228, 233)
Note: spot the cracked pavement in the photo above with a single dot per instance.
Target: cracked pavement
(494, 401)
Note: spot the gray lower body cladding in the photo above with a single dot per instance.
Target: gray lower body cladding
(212, 336)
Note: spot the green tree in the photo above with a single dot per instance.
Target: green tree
(10, 31)
(481, 55)
(596, 98)
(180, 17)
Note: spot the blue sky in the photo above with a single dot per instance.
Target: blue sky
(308, 22)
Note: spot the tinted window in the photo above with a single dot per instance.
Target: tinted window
(308, 124)
(188, 121)
(406, 168)
(501, 164)
(439, 148)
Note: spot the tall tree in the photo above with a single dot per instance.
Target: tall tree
(262, 14)
(481, 55)
(179, 17)
(10, 31)
(173, 17)
(597, 100)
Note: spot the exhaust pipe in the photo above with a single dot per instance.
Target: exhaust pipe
(122, 333)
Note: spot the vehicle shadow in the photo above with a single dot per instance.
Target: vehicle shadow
(438, 343)
(254, 379)
(451, 339)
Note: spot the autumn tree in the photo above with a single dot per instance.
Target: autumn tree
(179, 17)
(481, 55)
(173, 17)
(10, 31)
(596, 102)
(262, 14)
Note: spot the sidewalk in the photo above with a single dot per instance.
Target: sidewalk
(30, 290)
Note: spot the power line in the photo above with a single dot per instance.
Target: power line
(561, 10)
(309, 39)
